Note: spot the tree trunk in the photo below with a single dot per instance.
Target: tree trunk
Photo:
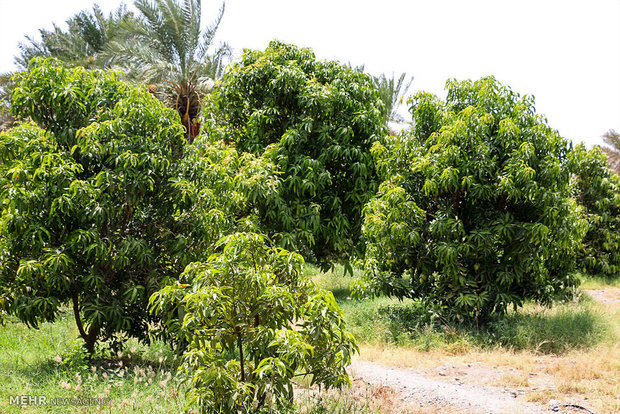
(90, 338)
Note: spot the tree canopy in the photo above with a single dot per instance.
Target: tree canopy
(90, 216)
(475, 212)
(316, 122)
(253, 322)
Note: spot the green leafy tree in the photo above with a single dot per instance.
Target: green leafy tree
(612, 139)
(168, 48)
(253, 323)
(87, 35)
(475, 211)
(220, 189)
(92, 212)
(392, 92)
(597, 189)
(316, 122)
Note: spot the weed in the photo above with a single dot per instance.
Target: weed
(76, 359)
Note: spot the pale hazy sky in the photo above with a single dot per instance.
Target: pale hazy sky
(565, 53)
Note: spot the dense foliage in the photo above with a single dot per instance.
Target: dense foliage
(89, 203)
(105, 206)
(219, 190)
(597, 189)
(168, 47)
(62, 101)
(316, 121)
(253, 323)
(474, 213)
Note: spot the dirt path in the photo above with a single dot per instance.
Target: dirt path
(608, 296)
(421, 391)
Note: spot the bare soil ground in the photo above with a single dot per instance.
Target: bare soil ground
(608, 296)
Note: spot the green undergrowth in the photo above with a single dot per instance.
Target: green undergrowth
(599, 282)
(563, 327)
(51, 362)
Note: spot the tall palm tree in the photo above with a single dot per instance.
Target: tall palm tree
(168, 49)
(612, 139)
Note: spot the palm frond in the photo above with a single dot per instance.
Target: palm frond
(168, 49)
(209, 35)
(392, 90)
(153, 29)
(80, 45)
(6, 85)
(612, 139)
(142, 65)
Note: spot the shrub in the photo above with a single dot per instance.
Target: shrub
(253, 323)
(474, 213)
(316, 121)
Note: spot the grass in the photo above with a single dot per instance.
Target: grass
(557, 330)
(598, 282)
(49, 362)
(139, 380)
(567, 352)
(388, 321)
(361, 315)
